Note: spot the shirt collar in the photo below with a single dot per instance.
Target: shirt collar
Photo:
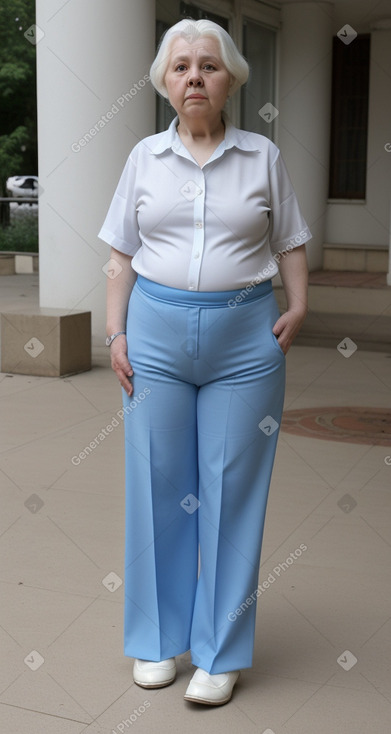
(234, 137)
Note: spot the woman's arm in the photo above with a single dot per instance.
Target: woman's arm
(119, 289)
(294, 275)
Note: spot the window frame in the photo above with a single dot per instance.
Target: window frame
(335, 193)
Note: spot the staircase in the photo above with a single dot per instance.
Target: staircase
(346, 304)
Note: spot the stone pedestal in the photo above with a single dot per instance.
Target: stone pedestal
(46, 342)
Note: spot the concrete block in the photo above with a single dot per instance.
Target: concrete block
(46, 342)
(7, 264)
(23, 263)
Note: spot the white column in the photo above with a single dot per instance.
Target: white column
(378, 194)
(94, 105)
(304, 107)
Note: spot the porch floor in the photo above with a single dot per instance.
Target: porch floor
(323, 628)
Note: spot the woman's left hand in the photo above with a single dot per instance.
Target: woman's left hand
(287, 327)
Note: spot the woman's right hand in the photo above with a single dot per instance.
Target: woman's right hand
(120, 363)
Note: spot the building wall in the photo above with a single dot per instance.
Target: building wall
(367, 223)
(91, 55)
(304, 103)
(313, 24)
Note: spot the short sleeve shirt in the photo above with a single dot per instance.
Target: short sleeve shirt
(211, 228)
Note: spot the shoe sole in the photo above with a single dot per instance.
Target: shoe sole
(207, 701)
(154, 685)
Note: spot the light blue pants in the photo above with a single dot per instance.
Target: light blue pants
(200, 436)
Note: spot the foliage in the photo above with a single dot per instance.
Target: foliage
(18, 127)
(11, 154)
(21, 235)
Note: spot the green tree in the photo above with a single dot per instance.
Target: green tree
(18, 116)
(12, 147)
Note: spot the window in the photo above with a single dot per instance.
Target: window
(349, 118)
(164, 112)
(191, 11)
(259, 49)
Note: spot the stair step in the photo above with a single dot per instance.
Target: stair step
(352, 300)
(369, 333)
(360, 312)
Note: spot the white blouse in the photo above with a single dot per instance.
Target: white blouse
(211, 228)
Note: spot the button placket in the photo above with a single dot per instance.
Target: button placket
(199, 235)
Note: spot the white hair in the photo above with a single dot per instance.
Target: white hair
(191, 30)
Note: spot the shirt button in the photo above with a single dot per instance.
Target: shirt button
(198, 225)
(196, 255)
(191, 287)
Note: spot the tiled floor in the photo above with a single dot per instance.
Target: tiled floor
(350, 424)
(322, 654)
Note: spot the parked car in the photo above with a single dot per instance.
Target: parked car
(22, 186)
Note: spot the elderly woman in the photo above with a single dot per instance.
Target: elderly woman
(203, 215)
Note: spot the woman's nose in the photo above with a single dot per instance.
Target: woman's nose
(194, 79)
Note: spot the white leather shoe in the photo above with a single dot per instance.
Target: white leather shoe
(211, 689)
(149, 674)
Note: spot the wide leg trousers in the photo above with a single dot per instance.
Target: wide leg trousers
(201, 429)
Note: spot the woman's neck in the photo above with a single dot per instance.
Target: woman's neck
(201, 130)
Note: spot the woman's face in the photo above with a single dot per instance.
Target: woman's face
(197, 81)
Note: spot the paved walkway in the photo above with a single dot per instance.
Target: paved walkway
(321, 662)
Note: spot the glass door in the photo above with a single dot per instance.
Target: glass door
(258, 96)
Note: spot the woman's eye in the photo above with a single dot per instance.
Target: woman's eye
(182, 67)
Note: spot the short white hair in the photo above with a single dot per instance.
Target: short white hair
(191, 30)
